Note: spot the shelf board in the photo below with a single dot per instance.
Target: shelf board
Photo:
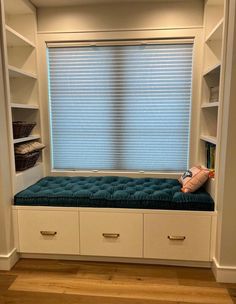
(208, 138)
(213, 69)
(16, 39)
(16, 72)
(216, 33)
(24, 139)
(24, 106)
(210, 105)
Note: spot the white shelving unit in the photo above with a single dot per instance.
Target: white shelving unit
(25, 139)
(209, 139)
(210, 104)
(15, 72)
(16, 39)
(20, 57)
(214, 69)
(24, 106)
(211, 83)
(216, 33)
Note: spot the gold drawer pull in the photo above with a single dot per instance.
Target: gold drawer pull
(176, 237)
(111, 235)
(48, 233)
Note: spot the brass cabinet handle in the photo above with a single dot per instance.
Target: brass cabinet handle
(176, 237)
(48, 233)
(111, 235)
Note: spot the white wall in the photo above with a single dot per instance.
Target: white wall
(117, 16)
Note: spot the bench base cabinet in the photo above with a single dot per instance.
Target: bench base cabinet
(111, 234)
(164, 235)
(178, 237)
(48, 231)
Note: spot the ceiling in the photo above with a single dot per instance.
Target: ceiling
(54, 3)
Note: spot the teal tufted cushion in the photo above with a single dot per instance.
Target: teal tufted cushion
(113, 192)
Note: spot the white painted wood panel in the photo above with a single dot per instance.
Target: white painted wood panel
(28, 177)
(54, 232)
(177, 237)
(111, 234)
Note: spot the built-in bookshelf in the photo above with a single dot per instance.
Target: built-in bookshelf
(20, 57)
(216, 33)
(15, 39)
(24, 106)
(209, 139)
(210, 104)
(15, 72)
(211, 92)
(25, 139)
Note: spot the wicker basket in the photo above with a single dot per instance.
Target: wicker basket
(22, 129)
(26, 161)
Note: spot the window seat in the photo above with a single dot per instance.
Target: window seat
(113, 192)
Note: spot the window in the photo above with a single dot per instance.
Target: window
(120, 107)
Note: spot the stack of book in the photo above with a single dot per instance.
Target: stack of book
(210, 156)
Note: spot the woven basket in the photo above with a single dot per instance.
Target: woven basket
(26, 161)
(22, 129)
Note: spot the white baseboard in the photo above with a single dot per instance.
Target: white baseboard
(224, 274)
(116, 260)
(9, 260)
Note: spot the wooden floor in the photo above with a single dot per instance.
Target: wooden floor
(70, 282)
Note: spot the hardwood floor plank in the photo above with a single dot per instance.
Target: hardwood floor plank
(105, 271)
(136, 290)
(51, 266)
(18, 297)
(5, 281)
(196, 277)
(129, 273)
(232, 292)
(64, 282)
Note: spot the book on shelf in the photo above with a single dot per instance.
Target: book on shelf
(210, 156)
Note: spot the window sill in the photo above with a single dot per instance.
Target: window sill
(154, 174)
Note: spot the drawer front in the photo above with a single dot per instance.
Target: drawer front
(48, 231)
(111, 234)
(177, 237)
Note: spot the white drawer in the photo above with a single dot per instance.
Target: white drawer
(48, 231)
(178, 237)
(111, 234)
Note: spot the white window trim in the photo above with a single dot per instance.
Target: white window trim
(181, 35)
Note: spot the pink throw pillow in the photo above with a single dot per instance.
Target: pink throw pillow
(194, 178)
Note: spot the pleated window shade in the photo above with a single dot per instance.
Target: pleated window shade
(124, 107)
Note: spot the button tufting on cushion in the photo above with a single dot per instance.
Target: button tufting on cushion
(113, 192)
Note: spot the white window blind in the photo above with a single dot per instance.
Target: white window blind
(120, 107)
